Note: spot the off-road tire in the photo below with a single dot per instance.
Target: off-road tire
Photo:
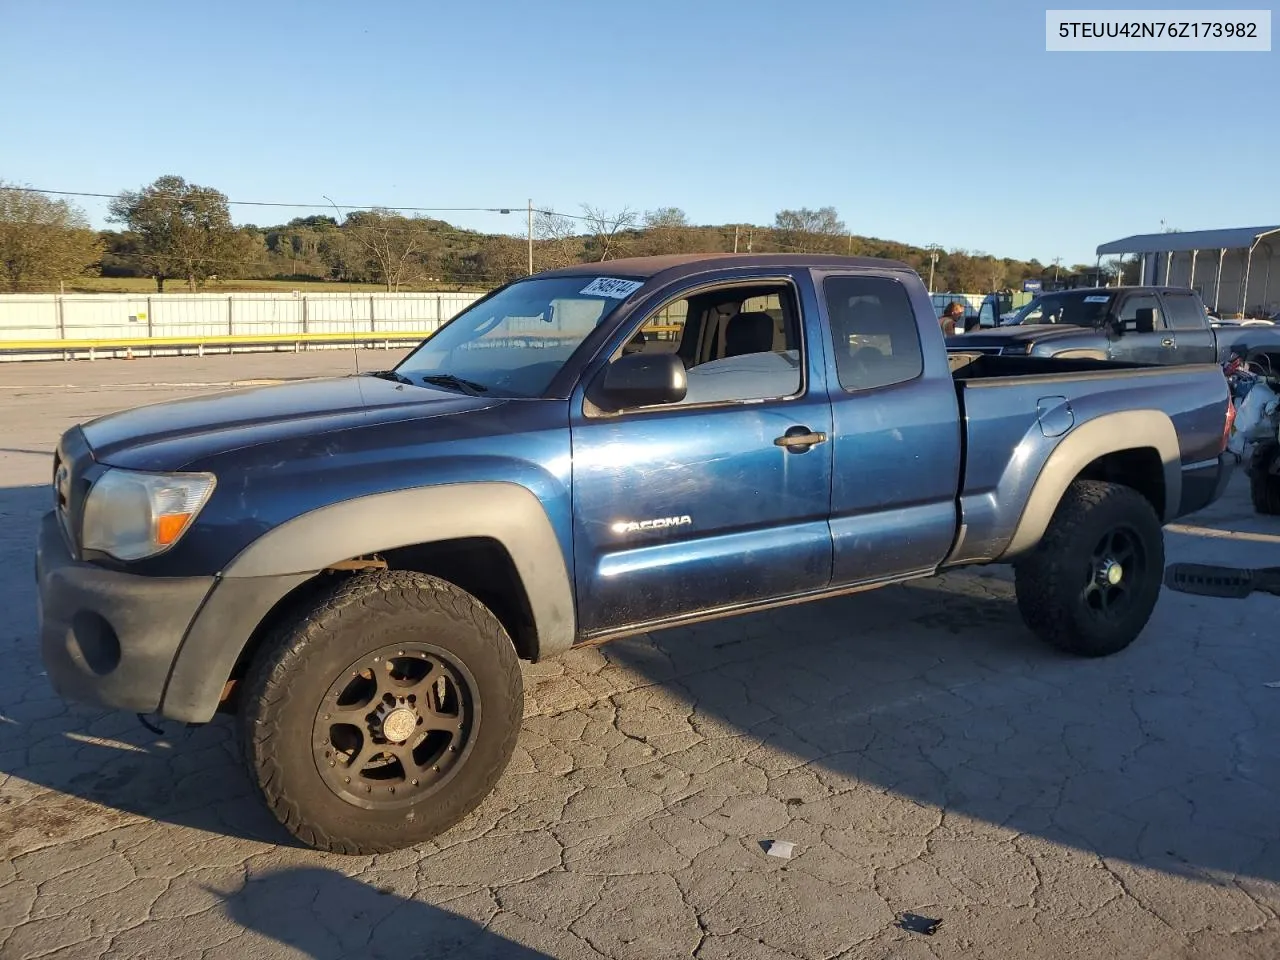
(1051, 581)
(288, 679)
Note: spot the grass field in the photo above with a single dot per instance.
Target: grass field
(147, 285)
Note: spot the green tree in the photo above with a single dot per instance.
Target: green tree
(497, 260)
(183, 230)
(963, 273)
(43, 240)
(246, 256)
(396, 250)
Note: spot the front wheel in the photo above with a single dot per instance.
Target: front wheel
(1092, 582)
(384, 715)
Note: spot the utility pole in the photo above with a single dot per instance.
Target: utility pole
(1056, 261)
(736, 231)
(531, 236)
(933, 260)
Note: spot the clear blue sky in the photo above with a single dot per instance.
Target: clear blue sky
(922, 122)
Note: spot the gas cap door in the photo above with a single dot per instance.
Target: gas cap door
(1055, 415)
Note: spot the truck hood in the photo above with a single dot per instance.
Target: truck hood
(170, 434)
(1022, 333)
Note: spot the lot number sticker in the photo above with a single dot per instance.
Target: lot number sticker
(1096, 299)
(612, 288)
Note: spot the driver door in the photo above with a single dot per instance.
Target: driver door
(1141, 342)
(689, 507)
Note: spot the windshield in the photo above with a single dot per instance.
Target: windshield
(514, 343)
(1084, 308)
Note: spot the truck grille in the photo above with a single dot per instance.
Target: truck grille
(73, 465)
(62, 495)
(61, 483)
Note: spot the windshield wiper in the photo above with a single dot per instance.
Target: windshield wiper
(390, 375)
(449, 380)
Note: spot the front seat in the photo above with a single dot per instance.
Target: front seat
(748, 333)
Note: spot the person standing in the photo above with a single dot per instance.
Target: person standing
(951, 314)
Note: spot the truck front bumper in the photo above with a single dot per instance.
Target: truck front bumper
(109, 638)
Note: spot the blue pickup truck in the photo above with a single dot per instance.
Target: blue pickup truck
(356, 566)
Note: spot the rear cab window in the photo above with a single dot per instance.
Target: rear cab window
(874, 332)
(1184, 312)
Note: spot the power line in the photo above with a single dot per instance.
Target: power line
(276, 203)
(598, 218)
(505, 209)
(512, 208)
(604, 223)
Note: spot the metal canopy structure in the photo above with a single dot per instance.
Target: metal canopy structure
(1148, 247)
(1232, 238)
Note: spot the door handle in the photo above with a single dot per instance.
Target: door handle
(800, 439)
(1168, 342)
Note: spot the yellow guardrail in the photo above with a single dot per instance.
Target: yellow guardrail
(214, 340)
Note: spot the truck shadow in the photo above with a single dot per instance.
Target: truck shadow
(934, 691)
(323, 913)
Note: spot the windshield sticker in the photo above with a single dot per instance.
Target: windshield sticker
(1096, 299)
(612, 288)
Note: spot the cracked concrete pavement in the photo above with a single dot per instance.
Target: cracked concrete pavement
(923, 752)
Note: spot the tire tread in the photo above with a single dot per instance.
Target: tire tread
(1043, 579)
(1264, 491)
(274, 671)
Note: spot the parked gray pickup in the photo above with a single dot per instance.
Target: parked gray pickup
(1156, 325)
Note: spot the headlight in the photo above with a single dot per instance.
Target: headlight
(133, 515)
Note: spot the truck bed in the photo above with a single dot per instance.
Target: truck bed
(974, 365)
(1016, 410)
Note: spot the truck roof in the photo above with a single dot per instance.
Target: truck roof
(1128, 288)
(689, 263)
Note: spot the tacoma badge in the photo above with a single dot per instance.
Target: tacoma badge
(631, 526)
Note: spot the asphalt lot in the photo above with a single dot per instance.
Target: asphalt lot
(923, 752)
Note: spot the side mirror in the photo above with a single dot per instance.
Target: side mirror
(1115, 326)
(643, 380)
(1145, 320)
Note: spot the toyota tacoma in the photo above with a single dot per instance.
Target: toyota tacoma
(356, 566)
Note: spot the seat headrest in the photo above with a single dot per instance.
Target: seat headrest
(750, 332)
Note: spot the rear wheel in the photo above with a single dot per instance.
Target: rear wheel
(1265, 493)
(1091, 584)
(1264, 487)
(383, 716)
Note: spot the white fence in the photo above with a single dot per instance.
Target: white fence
(107, 316)
(110, 316)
